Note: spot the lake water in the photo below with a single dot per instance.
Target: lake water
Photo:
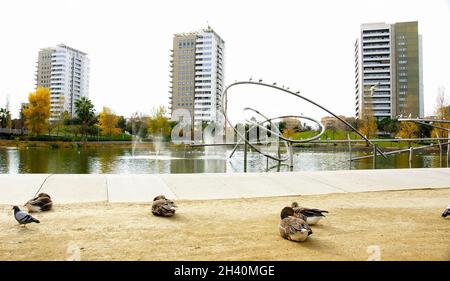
(186, 160)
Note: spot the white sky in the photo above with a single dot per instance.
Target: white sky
(307, 45)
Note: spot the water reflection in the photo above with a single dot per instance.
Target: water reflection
(33, 160)
(4, 161)
(183, 159)
(107, 159)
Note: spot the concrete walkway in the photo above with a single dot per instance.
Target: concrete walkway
(72, 188)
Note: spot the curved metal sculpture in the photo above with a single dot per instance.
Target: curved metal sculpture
(259, 124)
(288, 142)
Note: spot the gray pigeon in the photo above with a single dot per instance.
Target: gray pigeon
(446, 212)
(23, 218)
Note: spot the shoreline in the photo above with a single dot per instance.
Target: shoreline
(128, 144)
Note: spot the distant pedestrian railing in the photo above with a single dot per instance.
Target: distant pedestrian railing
(13, 131)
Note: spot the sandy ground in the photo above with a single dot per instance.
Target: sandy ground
(403, 225)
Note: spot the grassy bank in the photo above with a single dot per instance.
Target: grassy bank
(68, 144)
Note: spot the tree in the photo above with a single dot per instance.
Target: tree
(388, 125)
(442, 113)
(289, 133)
(85, 112)
(38, 111)
(5, 118)
(108, 122)
(368, 123)
(22, 117)
(62, 115)
(342, 126)
(122, 123)
(137, 125)
(281, 126)
(158, 123)
(408, 130)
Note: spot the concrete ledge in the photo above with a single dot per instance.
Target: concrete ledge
(17, 189)
(136, 188)
(381, 180)
(65, 188)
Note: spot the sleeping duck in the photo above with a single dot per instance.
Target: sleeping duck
(313, 216)
(292, 227)
(163, 207)
(41, 203)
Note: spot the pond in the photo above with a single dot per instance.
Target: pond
(117, 160)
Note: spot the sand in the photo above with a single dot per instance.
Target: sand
(395, 225)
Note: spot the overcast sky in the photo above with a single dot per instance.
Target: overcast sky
(307, 45)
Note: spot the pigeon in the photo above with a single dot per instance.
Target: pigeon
(260, 80)
(42, 202)
(163, 207)
(313, 216)
(23, 218)
(274, 83)
(293, 228)
(446, 212)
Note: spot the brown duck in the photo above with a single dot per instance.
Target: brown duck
(41, 203)
(293, 227)
(163, 207)
(313, 216)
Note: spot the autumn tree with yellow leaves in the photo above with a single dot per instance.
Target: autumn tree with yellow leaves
(38, 111)
(108, 122)
(408, 130)
(367, 124)
(158, 123)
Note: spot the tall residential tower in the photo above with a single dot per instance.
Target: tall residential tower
(388, 61)
(66, 72)
(197, 74)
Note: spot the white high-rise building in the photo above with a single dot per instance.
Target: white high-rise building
(65, 71)
(388, 62)
(197, 72)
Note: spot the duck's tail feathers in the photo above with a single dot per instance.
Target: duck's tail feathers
(47, 206)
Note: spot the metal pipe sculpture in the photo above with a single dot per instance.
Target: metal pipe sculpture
(277, 132)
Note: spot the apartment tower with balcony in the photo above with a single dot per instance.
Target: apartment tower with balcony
(388, 70)
(65, 71)
(197, 74)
